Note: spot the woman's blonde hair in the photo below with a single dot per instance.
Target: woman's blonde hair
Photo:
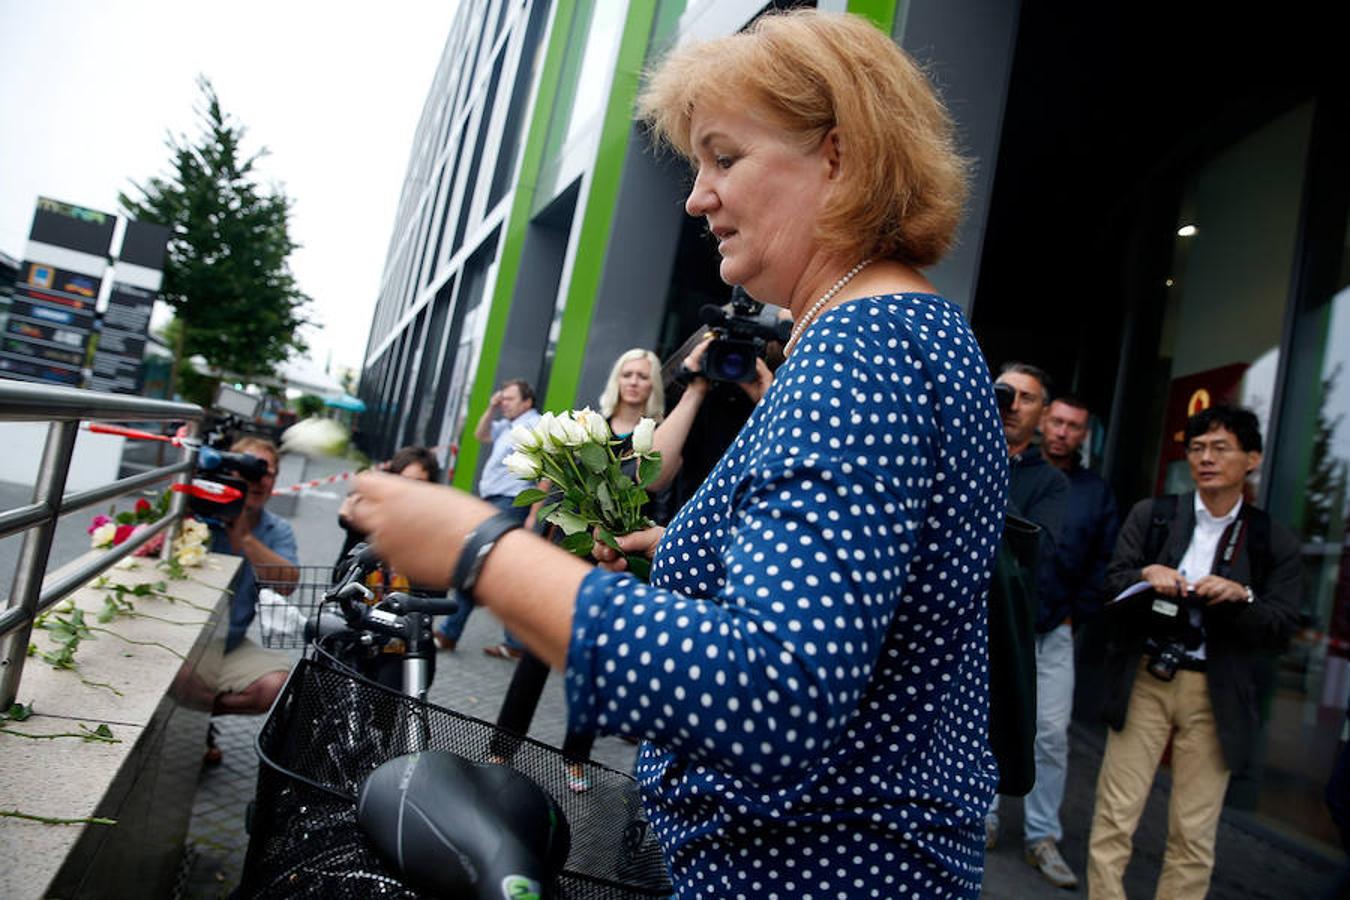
(656, 400)
(903, 182)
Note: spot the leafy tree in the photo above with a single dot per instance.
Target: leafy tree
(226, 276)
(307, 405)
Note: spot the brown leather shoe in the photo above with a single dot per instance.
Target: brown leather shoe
(444, 643)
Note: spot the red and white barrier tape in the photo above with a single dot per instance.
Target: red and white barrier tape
(316, 482)
(345, 476)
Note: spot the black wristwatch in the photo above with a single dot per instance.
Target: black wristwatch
(477, 545)
(686, 376)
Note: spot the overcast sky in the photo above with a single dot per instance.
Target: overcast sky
(90, 88)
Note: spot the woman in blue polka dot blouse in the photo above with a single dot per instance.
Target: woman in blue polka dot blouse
(807, 668)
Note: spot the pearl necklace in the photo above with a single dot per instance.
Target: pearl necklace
(811, 313)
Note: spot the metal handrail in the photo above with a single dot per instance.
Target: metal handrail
(65, 409)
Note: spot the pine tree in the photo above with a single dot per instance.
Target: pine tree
(226, 275)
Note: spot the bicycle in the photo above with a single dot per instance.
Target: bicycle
(364, 791)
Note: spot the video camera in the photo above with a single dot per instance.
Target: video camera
(221, 474)
(740, 337)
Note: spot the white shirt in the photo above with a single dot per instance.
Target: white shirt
(1204, 546)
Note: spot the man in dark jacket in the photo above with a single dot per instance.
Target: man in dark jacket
(1070, 593)
(1223, 587)
(1039, 492)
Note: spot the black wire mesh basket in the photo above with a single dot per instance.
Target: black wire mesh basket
(284, 605)
(329, 729)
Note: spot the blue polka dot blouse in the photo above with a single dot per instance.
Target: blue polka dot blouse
(808, 667)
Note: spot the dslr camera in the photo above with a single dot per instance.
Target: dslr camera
(739, 338)
(1170, 633)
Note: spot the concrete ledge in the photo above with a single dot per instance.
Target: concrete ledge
(146, 781)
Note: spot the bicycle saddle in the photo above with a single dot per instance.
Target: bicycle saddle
(454, 828)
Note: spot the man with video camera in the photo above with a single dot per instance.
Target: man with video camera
(251, 676)
(719, 375)
(1223, 588)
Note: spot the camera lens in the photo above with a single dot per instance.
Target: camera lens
(730, 360)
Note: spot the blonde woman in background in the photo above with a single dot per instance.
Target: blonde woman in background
(633, 392)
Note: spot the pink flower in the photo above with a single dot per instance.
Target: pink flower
(98, 522)
(151, 547)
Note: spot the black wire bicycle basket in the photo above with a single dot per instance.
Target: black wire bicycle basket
(328, 729)
(284, 606)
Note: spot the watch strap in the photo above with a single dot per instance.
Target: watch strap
(478, 543)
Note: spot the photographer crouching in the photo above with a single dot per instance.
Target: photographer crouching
(250, 676)
(1224, 584)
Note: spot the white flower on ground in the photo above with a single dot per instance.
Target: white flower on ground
(103, 535)
(642, 435)
(522, 465)
(191, 555)
(198, 531)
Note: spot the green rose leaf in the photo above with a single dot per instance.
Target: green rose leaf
(648, 468)
(606, 499)
(580, 543)
(546, 510)
(608, 540)
(593, 457)
(125, 518)
(529, 497)
(569, 522)
(640, 566)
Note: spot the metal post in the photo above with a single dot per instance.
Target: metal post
(177, 501)
(48, 489)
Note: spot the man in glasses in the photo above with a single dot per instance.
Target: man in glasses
(1224, 584)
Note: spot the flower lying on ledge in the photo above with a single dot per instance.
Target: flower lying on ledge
(189, 548)
(113, 530)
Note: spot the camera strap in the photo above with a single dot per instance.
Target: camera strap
(1228, 552)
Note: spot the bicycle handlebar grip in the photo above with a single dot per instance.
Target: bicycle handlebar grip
(434, 606)
(455, 828)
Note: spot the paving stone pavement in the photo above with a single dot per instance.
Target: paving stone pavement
(1249, 865)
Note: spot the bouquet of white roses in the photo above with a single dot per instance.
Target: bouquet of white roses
(590, 494)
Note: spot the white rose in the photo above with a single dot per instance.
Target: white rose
(522, 465)
(543, 432)
(567, 433)
(192, 555)
(595, 425)
(524, 439)
(103, 535)
(642, 435)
